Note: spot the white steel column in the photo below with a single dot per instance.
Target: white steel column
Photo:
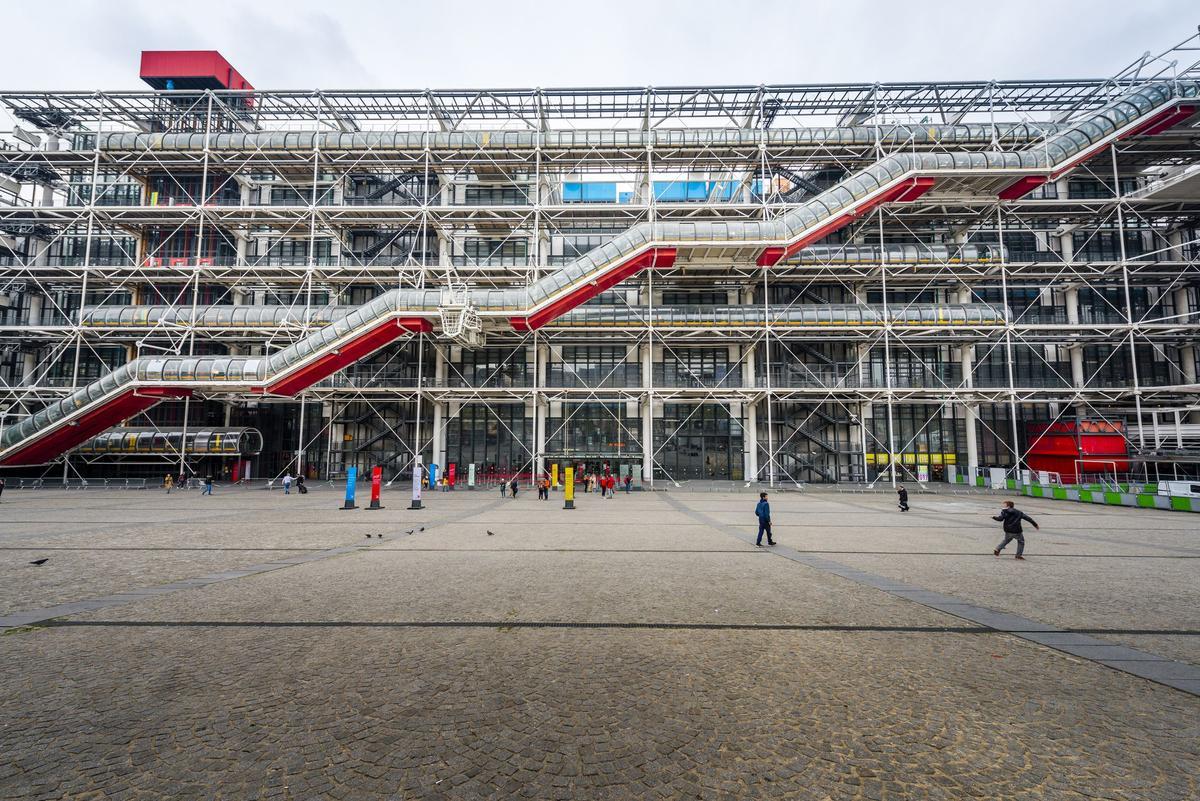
(438, 455)
(750, 426)
(648, 413)
(1075, 351)
(541, 358)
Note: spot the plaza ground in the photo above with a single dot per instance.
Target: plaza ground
(252, 645)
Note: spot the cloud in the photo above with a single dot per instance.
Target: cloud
(301, 44)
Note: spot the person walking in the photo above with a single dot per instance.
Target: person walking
(628, 481)
(612, 486)
(208, 485)
(300, 488)
(169, 482)
(287, 483)
(902, 494)
(763, 513)
(513, 486)
(1, 487)
(1010, 516)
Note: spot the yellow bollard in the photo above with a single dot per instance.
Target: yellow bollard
(554, 475)
(569, 489)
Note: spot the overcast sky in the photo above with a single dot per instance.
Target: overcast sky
(348, 44)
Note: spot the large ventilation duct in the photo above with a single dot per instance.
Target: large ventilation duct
(665, 316)
(586, 141)
(229, 442)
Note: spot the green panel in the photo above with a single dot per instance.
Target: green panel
(1146, 501)
(1085, 495)
(1113, 498)
(1036, 490)
(1151, 488)
(1010, 483)
(1181, 504)
(979, 481)
(1059, 493)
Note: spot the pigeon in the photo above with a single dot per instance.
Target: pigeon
(410, 531)
(422, 528)
(368, 536)
(40, 561)
(491, 533)
(380, 535)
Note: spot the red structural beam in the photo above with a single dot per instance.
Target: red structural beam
(904, 192)
(346, 354)
(654, 258)
(106, 415)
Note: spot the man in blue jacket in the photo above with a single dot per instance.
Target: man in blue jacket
(763, 513)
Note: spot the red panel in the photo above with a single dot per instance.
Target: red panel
(905, 191)
(348, 353)
(918, 187)
(1022, 187)
(190, 69)
(657, 257)
(1055, 447)
(1162, 121)
(66, 436)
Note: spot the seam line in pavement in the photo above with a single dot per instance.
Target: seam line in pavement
(569, 624)
(1177, 675)
(510, 624)
(31, 617)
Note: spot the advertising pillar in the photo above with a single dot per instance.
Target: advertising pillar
(416, 485)
(351, 479)
(376, 486)
(471, 476)
(569, 489)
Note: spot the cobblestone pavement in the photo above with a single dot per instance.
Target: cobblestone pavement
(412, 670)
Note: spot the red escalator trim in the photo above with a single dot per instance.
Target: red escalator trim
(64, 437)
(1022, 187)
(1156, 124)
(906, 191)
(1162, 121)
(660, 258)
(362, 345)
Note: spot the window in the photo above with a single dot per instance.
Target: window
(495, 251)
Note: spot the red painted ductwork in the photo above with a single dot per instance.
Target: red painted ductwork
(105, 416)
(659, 258)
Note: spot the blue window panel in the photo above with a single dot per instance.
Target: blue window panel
(572, 192)
(600, 192)
(625, 197)
(670, 191)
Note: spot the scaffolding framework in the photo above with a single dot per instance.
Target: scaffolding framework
(236, 224)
